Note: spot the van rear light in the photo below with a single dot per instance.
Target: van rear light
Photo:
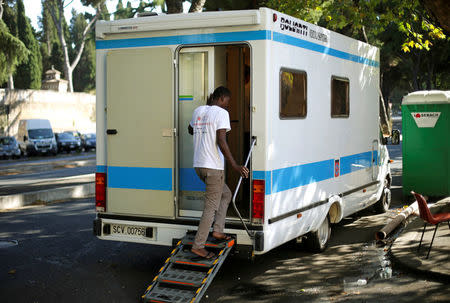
(258, 201)
(100, 192)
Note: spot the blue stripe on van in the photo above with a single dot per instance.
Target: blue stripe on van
(375, 159)
(282, 38)
(275, 181)
(140, 178)
(184, 39)
(296, 176)
(232, 37)
(349, 164)
(190, 181)
(267, 177)
(101, 168)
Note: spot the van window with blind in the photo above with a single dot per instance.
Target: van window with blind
(292, 94)
(340, 97)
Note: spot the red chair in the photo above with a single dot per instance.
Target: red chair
(426, 215)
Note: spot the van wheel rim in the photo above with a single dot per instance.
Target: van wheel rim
(323, 232)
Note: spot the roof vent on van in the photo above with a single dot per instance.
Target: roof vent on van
(147, 14)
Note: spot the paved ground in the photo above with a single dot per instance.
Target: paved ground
(45, 173)
(57, 258)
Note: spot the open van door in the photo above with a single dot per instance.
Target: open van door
(140, 132)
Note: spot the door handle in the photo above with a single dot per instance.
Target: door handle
(111, 131)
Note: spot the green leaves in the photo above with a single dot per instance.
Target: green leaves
(13, 52)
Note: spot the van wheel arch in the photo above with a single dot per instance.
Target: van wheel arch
(335, 213)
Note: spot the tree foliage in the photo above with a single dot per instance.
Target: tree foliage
(13, 52)
(28, 74)
(412, 48)
(366, 19)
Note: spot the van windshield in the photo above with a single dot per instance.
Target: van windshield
(40, 133)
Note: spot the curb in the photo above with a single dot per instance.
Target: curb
(45, 196)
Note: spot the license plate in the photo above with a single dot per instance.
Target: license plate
(128, 230)
(72, 145)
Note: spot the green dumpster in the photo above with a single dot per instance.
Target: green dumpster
(426, 143)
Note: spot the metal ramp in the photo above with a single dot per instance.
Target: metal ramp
(184, 277)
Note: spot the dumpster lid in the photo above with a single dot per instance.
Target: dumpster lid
(427, 97)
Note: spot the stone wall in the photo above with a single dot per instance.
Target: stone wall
(66, 111)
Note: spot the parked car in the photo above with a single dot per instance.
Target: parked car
(9, 148)
(67, 142)
(88, 141)
(76, 134)
(35, 136)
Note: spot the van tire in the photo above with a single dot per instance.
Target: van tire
(382, 205)
(317, 241)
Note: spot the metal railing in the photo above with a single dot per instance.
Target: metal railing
(237, 190)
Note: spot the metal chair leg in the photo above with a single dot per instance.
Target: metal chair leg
(437, 225)
(420, 243)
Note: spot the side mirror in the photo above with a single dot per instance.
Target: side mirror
(25, 138)
(395, 137)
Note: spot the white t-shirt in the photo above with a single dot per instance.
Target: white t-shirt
(206, 120)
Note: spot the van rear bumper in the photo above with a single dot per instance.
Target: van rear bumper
(158, 232)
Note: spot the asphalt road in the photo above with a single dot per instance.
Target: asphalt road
(58, 259)
(39, 174)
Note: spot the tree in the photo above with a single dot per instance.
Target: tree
(440, 12)
(13, 52)
(51, 52)
(28, 74)
(58, 17)
(84, 73)
(129, 11)
(9, 16)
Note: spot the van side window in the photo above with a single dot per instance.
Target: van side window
(292, 94)
(340, 97)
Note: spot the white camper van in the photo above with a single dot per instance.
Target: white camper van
(308, 96)
(36, 136)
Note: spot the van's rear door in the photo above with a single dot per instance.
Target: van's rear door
(140, 128)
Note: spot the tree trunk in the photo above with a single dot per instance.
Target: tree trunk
(67, 70)
(430, 66)
(10, 81)
(197, 6)
(1, 9)
(68, 67)
(10, 84)
(415, 74)
(174, 6)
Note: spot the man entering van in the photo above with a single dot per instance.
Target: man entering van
(209, 126)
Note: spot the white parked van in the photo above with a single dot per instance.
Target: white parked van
(35, 136)
(308, 95)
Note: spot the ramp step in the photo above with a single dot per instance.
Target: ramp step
(210, 242)
(168, 294)
(185, 276)
(182, 277)
(185, 257)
